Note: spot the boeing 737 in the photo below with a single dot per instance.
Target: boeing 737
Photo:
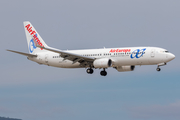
(122, 59)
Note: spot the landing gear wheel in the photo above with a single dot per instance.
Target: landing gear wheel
(90, 71)
(103, 73)
(158, 69)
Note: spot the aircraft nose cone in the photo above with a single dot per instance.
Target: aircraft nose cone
(171, 56)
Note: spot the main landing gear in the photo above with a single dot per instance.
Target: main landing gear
(90, 71)
(103, 72)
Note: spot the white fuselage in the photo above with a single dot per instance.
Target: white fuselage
(122, 59)
(120, 56)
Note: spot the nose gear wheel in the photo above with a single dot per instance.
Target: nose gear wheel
(158, 69)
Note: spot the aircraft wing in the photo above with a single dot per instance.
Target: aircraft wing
(71, 56)
(84, 60)
(25, 54)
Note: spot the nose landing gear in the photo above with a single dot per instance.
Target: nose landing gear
(158, 69)
(161, 64)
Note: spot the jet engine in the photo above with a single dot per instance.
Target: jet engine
(125, 68)
(102, 63)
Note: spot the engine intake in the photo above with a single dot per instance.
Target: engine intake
(102, 63)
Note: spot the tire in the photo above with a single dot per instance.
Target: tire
(90, 71)
(158, 69)
(103, 73)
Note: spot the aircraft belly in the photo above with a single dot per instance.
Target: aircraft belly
(69, 64)
(64, 63)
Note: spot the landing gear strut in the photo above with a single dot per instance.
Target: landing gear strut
(103, 73)
(161, 64)
(90, 71)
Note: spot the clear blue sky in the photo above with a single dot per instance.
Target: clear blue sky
(36, 92)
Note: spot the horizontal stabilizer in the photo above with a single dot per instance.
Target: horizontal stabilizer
(25, 54)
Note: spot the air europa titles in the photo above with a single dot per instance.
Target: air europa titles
(34, 34)
(120, 50)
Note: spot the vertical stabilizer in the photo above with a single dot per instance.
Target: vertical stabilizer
(31, 35)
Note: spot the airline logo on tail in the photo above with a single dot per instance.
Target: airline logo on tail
(34, 34)
(32, 45)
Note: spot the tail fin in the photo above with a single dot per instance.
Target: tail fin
(31, 35)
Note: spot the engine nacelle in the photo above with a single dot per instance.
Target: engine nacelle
(125, 68)
(102, 63)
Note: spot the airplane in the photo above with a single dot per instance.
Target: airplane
(122, 59)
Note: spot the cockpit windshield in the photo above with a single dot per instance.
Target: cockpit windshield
(166, 51)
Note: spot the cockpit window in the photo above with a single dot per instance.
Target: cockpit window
(167, 51)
